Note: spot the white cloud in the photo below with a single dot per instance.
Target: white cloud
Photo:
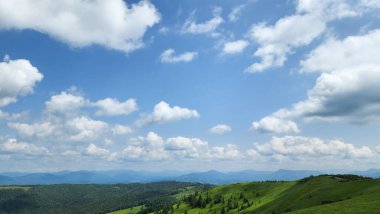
(277, 125)
(234, 47)
(184, 143)
(65, 102)
(220, 129)
(11, 116)
(110, 23)
(236, 13)
(378, 148)
(85, 129)
(120, 129)
(208, 27)
(133, 153)
(154, 148)
(347, 89)
(228, 152)
(113, 107)
(149, 149)
(163, 113)
(371, 3)
(168, 56)
(69, 102)
(11, 145)
(92, 149)
(40, 130)
(299, 147)
(351, 52)
(17, 78)
(278, 41)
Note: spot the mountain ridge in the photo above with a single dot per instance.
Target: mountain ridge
(130, 176)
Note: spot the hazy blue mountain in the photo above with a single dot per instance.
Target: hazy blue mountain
(374, 173)
(5, 179)
(129, 176)
(215, 177)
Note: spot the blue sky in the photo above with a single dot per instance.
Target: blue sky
(189, 85)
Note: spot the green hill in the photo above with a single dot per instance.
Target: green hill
(321, 194)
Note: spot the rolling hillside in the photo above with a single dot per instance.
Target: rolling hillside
(90, 198)
(320, 194)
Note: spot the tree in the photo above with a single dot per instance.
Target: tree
(223, 211)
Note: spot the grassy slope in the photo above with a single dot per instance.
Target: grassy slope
(259, 193)
(134, 210)
(338, 196)
(322, 194)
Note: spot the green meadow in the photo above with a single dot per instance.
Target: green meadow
(322, 194)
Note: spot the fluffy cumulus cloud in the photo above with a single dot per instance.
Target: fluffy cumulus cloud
(153, 147)
(208, 27)
(220, 129)
(299, 147)
(228, 152)
(183, 147)
(12, 146)
(17, 78)
(70, 101)
(67, 118)
(70, 129)
(85, 129)
(347, 88)
(277, 41)
(147, 148)
(113, 107)
(234, 47)
(94, 150)
(41, 130)
(120, 129)
(112, 23)
(65, 102)
(11, 116)
(163, 113)
(168, 56)
(276, 125)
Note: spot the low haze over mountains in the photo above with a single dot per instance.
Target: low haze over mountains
(125, 176)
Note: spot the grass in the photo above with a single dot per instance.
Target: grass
(259, 193)
(26, 188)
(132, 210)
(315, 195)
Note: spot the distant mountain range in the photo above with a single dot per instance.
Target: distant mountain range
(127, 176)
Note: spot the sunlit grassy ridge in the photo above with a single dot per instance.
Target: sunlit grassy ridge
(321, 194)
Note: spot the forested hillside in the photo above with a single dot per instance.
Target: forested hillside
(315, 194)
(68, 198)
